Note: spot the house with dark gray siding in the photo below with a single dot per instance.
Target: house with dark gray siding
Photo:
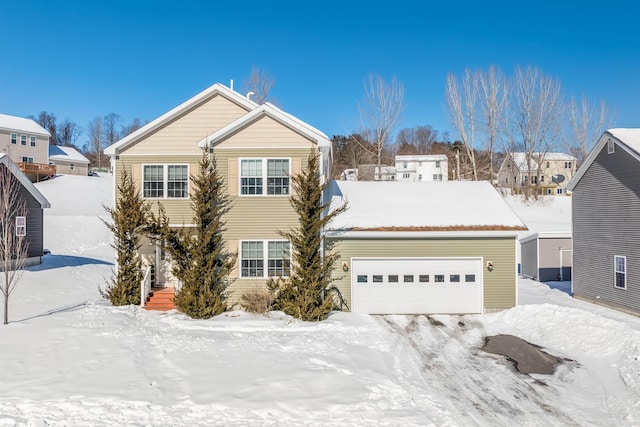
(32, 224)
(606, 222)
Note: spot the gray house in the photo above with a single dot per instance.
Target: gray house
(606, 222)
(32, 223)
(546, 256)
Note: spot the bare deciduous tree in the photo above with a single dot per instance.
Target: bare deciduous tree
(259, 84)
(462, 101)
(417, 140)
(47, 121)
(94, 130)
(587, 124)
(131, 127)
(493, 101)
(68, 133)
(110, 134)
(13, 243)
(379, 113)
(536, 119)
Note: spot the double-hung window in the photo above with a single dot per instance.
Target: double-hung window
(32, 140)
(14, 138)
(258, 254)
(21, 226)
(23, 139)
(165, 181)
(620, 267)
(260, 177)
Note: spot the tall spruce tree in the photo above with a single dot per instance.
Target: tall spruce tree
(303, 294)
(129, 218)
(200, 256)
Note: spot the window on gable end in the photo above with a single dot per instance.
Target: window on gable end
(611, 147)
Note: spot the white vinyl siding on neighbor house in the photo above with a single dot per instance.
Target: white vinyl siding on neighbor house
(21, 226)
(255, 173)
(620, 272)
(165, 181)
(256, 254)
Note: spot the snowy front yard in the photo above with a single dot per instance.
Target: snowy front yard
(69, 358)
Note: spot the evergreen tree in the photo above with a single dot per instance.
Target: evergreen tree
(129, 218)
(303, 294)
(200, 258)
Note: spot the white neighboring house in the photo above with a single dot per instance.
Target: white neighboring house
(349, 175)
(422, 167)
(68, 160)
(388, 173)
(550, 173)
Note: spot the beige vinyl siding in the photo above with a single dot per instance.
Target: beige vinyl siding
(265, 132)
(40, 152)
(499, 284)
(178, 210)
(255, 217)
(181, 136)
(64, 168)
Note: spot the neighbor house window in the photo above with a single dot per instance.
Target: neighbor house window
(21, 226)
(437, 177)
(165, 181)
(620, 267)
(71, 166)
(254, 255)
(32, 139)
(437, 163)
(611, 147)
(26, 159)
(406, 176)
(14, 138)
(255, 172)
(559, 191)
(567, 165)
(23, 139)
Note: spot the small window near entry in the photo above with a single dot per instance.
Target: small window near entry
(470, 278)
(408, 278)
(32, 139)
(377, 278)
(14, 138)
(620, 267)
(423, 278)
(393, 278)
(21, 226)
(438, 278)
(362, 278)
(454, 278)
(611, 147)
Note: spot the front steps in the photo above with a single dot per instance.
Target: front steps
(160, 299)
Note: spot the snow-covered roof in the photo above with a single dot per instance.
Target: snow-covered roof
(421, 206)
(68, 154)
(420, 157)
(626, 138)
(547, 235)
(24, 180)
(22, 125)
(520, 159)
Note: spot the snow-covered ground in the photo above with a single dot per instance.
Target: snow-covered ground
(68, 358)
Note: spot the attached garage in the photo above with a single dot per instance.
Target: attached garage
(424, 247)
(416, 285)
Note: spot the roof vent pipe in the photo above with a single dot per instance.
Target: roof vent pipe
(249, 95)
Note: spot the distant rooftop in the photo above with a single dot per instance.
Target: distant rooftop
(22, 125)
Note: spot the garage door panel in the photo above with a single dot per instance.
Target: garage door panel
(410, 286)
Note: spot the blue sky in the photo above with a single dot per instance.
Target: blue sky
(140, 58)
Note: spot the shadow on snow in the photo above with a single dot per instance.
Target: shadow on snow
(50, 262)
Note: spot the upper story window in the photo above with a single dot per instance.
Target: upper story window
(567, 165)
(23, 139)
(437, 163)
(611, 147)
(165, 181)
(21, 226)
(620, 274)
(255, 173)
(32, 140)
(14, 138)
(72, 166)
(405, 165)
(547, 165)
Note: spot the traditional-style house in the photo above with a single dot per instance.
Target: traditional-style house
(606, 222)
(27, 144)
(68, 160)
(31, 225)
(548, 173)
(422, 167)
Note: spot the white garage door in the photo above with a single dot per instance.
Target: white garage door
(416, 285)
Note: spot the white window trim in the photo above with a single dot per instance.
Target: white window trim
(13, 137)
(165, 180)
(265, 257)
(21, 229)
(25, 139)
(27, 159)
(33, 141)
(264, 162)
(615, 271)
(611, 147)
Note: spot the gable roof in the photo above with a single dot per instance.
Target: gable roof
(21, 124)
(420, 157)
(275, 113)
(216, 89)
(26, 183)
(67, 154)
(520, 159)
(626, 138)
(421, 206)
